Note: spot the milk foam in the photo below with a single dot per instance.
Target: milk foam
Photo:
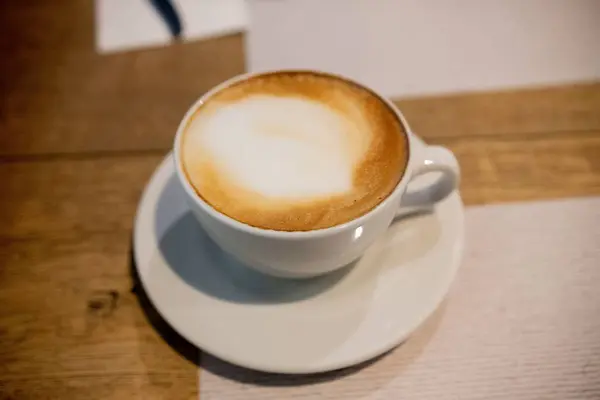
(293, 151)
(280, 147)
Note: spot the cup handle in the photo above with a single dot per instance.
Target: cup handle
(432, 159)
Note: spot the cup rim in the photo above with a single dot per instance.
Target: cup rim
(321, 232)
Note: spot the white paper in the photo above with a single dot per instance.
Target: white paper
(521, 322)
(417, 47)
(130, 24)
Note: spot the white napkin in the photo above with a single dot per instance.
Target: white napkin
(416, 47)
(130, 24)
(521, 322)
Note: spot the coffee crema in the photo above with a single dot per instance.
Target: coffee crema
(294, 151)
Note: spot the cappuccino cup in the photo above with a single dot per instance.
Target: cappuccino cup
(297, 173)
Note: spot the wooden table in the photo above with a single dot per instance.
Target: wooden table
(80, 134)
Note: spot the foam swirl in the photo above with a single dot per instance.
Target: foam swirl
(294, 151)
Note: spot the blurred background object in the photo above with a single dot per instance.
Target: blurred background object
(414, 47)
(400, 47)
(169, 15)
(132, 24)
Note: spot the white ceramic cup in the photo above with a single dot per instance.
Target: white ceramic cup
(304, 254)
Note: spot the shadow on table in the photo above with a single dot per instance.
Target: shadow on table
(412, 349)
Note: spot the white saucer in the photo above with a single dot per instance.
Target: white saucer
(290, 326)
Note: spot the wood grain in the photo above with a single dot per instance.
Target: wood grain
(62, 196)
(133, 117)
(535, 167)
(71, 327)
(572, 108)
(60, 96)
(69, 324)
(86, 195)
